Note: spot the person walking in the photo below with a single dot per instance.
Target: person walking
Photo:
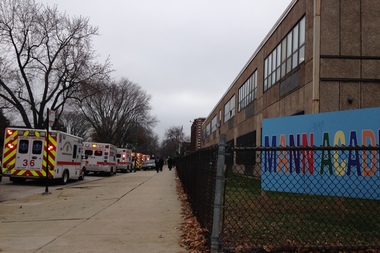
(161, 163)
(157, 163)
(170, 163)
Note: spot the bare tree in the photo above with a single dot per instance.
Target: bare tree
(147, 142)
(75, 124)
(45, 59)
(119, 113)
(171, 145)
(4, 122)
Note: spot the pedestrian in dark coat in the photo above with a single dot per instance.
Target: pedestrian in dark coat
(157, 162)
(170, 163)
(161, 163)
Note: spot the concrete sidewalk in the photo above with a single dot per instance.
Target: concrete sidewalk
(133, 212)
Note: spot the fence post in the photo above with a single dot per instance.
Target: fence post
(218, 194)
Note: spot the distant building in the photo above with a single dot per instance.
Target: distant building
(185, 148)
(196, 134)
(320, 56)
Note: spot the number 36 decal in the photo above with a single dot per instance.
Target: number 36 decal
(31, 163)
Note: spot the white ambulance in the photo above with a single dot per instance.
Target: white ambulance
(124, 160)
(30, 154)
(99, 157)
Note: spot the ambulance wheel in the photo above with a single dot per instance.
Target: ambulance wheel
(81, 177)
(65, 177)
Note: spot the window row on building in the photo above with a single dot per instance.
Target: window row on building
(320, 56)
(286, 56)
(248, 91)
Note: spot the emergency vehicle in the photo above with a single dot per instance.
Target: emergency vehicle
(99, 157)
(146, 158)
(138, 161)
(31, 153)
(124, 160)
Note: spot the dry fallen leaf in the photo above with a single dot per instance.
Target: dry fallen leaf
(194, 236)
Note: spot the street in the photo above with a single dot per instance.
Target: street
(10, 190)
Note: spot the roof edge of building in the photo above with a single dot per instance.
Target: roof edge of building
(270, 33)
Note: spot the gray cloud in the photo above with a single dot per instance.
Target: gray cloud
(185, 53)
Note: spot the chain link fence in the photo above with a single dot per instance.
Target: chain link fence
(197, 173)
(304, 199)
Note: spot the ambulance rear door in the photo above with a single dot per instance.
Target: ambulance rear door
(30, 152)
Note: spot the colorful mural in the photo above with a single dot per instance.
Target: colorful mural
(347, 173)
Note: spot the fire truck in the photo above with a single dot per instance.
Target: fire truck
(139, 161)
(35, 153)
(99, 157)
(124, 160)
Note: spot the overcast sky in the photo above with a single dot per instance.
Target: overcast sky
(184, 53)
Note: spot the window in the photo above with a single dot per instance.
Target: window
(213, 124)
(246, 157)
(248, 91)
(295, 47)
(88, 152)
(208, 128)
(288, 54)
(37, 147)
(75, 151)
(274, 61)
(278, 63)
(229, 109)
(302, 41)
(23, 147)
(283, 58)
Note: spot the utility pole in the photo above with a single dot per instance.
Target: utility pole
(136, 143)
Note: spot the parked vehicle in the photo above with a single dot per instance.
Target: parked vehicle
(35, 153)
(138, 161)
(124, 160)
(149, 165)
(99, 157)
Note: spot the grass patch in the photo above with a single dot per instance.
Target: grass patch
(278, 219)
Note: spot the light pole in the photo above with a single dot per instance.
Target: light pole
(136, 143)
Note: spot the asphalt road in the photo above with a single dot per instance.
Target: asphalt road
(10, 190)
